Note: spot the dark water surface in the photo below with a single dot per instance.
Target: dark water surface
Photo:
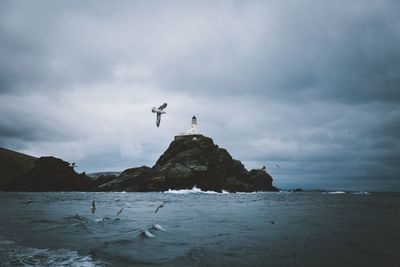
(200, 229)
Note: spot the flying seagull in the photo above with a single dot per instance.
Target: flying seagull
(120, 211)
(93, 206)
(277, 165)
(161, 206)
(159, 111)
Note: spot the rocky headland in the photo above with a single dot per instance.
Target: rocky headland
(190, 160)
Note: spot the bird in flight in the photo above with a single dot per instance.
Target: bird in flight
(277, 165)
(161, 206)
(159, 111)
(93, 206)
(120, 211)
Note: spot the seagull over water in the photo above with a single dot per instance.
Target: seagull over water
(161, 206)
(159, 111)
(93, 206)
(120, 211)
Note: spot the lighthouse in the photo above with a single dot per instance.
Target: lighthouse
(190, 133)
(193, 129)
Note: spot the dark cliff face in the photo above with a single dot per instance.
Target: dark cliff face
(13, 165)
(192, 161)
(51, 174)
(141, 179)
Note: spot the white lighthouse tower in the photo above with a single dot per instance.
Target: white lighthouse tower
(191, 133)
(193, 129)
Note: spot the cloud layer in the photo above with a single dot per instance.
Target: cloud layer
(312, 86)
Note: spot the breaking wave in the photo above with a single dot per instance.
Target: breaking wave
(194, 190)
(334, 192)
(17, 255)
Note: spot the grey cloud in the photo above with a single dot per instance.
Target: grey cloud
(333, 54)
(345, 51)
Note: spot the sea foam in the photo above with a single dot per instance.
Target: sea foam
(194, 190)
(334, 192)
(28, 256)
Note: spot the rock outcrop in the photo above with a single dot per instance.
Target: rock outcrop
(189, 161)
(13, 165)
(50, 174)
(296, 190)
(192, 160)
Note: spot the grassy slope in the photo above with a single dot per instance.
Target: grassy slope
(13, 164)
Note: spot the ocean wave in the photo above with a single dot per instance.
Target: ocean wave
(147, 233)
(16, 255)
(6, 242)
(158, 227)
(334, 192)
(194, 190)
(360, 193)
(251, 193)
(75, 218)
(103, 219)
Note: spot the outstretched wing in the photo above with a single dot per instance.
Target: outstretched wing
(163, 106)
(158, 119)
(120, 211)
(159, 207)
(93, 207)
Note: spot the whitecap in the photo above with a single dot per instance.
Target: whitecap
(102, 219)
(147, 233)
(194, 190)
(158, 227)
(20, 256)
(336, 192)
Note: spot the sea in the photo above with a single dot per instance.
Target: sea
(196, 228)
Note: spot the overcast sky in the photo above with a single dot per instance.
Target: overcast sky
(313, 86)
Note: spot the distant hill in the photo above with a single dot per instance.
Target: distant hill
(20, 172)
(50, 174)
(12, 165)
